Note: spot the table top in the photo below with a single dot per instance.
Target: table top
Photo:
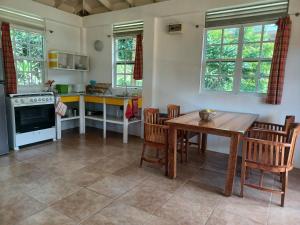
(224, 123)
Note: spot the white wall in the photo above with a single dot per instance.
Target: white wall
(172, 62)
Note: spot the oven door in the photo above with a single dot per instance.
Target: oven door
(34, 117)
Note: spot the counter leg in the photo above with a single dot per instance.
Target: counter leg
(82, 115)
(125, 123)
(58, 127)
(104, 120)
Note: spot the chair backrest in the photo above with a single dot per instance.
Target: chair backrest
(294, 131)
(153, 131)
(288, 121)
(173, 111)
(270, 149)
(151, 115)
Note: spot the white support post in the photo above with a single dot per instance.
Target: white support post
(104, 118)
(125, 123)
(58, 127)
(82, 115)
(58, 123)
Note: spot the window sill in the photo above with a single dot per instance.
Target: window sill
(232, 93)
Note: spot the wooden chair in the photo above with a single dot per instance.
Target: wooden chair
(156, 137)
(173, 112)
(272, 152)
(184, 137)
(276, 127)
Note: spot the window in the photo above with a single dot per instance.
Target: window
(238, 58)
(28, 48)
(124, 58)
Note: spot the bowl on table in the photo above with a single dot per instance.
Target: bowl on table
(207, 114)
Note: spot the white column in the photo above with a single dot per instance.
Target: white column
(58, 123)
(125, 123)
(82, 114)
(104, 118)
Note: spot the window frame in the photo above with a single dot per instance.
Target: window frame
(237, 76)
(31, 86)
(115, 63)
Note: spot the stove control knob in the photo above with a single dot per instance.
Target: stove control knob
(43, 99)
(35, 100)
(16, 101)
(39, 99)
(22, 101)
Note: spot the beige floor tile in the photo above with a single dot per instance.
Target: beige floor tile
(133, 173)
(226, 218)
(83, 178)
(281, 216)
(198, 193)
(15, 170)
(163, 183)
(112, 186)
(53, 191)
(8, 160)
(81, 204)
(185, 212)
(256, 210)
(147, 198)
(125, 215)
(15, 206)
(107, 165)
(25, 154)
(48, 217)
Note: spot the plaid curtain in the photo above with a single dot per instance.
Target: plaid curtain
(8, 60)
(138, 64)
(276, 81)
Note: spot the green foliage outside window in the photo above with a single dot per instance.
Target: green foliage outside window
(125, 57)
(28, 48)
(247, 50)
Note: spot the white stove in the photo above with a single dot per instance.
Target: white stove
(40, 98)
(31, 118)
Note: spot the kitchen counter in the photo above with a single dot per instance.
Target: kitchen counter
(106, 101)
(98, 95)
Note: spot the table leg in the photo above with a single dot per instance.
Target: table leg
(204, 142)
(234, 144)
(172, 151)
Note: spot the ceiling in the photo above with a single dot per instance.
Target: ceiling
(89, 7)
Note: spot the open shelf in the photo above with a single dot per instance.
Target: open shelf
(70, 118)
(96, 118)
(60, 60)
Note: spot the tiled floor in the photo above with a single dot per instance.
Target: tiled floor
(86, 180)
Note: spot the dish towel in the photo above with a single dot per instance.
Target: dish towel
(61, 108)
(135, 107)
(129, 112)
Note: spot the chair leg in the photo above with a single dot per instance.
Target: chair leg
(261, 178)
(284, 187)
(243, 174)
(167, 161)
(142, 157)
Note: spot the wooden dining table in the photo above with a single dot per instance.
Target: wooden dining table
(227, 124)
